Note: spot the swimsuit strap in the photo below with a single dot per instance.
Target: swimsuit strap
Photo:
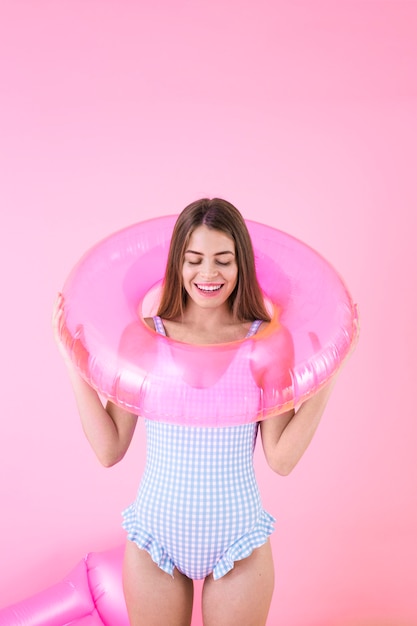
(254, 328)
(159, 326)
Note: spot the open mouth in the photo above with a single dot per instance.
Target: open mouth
(208, 288)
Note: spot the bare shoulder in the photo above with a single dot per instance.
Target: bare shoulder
(263, 326)
(149, 322)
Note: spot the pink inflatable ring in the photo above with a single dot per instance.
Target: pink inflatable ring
(110, 290)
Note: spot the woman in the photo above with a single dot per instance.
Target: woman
(198, 512)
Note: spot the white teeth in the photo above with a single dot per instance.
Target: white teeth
(209, 287)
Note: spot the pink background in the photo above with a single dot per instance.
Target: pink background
(301, 113)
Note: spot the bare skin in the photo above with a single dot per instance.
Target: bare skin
(242, 596)
(154, 598)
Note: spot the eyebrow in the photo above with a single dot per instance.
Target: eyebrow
(216, 254)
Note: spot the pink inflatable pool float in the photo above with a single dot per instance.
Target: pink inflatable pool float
(115, 284)
(90, 595)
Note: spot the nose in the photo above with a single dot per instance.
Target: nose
(208, 270)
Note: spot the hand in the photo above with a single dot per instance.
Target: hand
(57, 323)
(58, 326)
(71, 347)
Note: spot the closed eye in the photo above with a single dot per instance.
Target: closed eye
(221, 263)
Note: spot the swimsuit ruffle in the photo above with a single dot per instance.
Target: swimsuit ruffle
(245, 545)
(240, 549)
(146, 541)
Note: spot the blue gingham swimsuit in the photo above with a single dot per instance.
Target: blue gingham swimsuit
(198, 507)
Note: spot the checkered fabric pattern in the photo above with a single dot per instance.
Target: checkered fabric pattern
(198, 507)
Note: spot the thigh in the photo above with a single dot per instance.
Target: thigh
(153, 597)
(242, 596)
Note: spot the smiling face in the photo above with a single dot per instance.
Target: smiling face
(210, 269)
(219, 225)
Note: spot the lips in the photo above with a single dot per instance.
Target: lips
(208, 287)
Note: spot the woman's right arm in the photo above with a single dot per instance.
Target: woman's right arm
(109, 429)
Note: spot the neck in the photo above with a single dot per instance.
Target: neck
(206, 318)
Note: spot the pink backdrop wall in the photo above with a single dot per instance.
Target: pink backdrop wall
(304, 115)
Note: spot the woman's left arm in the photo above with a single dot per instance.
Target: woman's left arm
(286, 437)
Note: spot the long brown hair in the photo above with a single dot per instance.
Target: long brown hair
(246, 302)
